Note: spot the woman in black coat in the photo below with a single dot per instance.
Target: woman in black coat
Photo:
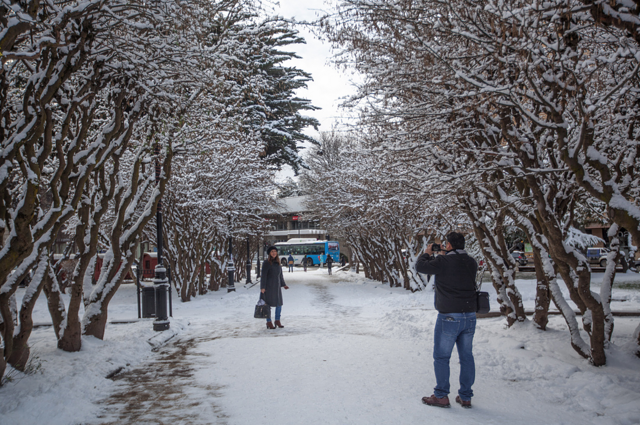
(271, 282)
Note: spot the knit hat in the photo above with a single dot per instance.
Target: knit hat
(271, 248)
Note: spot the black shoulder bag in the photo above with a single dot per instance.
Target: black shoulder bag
(482, 298)
(263, 310)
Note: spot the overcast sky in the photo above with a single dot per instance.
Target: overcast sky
(329, 84)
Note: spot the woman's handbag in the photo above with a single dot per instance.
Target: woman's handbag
(482, 298)
(263, 310)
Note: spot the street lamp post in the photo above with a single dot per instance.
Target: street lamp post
(248, 262)
(230, 267)
(160, 282)
(258, 259)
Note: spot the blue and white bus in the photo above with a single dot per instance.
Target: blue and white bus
(316, 251)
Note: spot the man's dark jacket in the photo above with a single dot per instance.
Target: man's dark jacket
(455, 275)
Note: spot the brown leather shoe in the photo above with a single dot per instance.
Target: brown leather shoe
(464, 403)
(278, 324)
(270, 325)
(435, 401)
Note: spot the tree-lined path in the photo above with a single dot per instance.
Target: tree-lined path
(135, 131)
(352, 353)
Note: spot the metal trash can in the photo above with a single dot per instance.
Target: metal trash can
(148, 302)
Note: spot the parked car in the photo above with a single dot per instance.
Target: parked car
(597, 256)
(520, 258)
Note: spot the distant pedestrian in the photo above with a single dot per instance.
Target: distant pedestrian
(304, 262)
(343, 260)
(456, 302)
(290, 261)
(329, 263)
(271, 282)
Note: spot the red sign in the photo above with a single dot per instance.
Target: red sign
(295, 218)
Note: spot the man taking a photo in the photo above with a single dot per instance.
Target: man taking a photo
(455, 300)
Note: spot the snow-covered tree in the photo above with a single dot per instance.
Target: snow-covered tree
(53, 76)
(84, 118)
(288, 188)
(500, 96)
(232, 187)
(276, 112)
(213, 195)
(356, 190)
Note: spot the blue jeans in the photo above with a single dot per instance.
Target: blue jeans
(454, 329)
(278, 311)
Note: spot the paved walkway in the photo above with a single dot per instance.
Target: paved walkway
(349, 354)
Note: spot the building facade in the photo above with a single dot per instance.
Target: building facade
(292, 221)
(289, 222)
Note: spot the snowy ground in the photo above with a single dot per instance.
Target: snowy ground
(351, 352)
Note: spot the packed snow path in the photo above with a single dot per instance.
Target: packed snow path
(359, 354)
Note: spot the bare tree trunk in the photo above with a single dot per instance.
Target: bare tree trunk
(54, 303)
(636, 338)
(202, 288)
(96, 320)
(213, 286)
(69, 331)
(239, 258)
(7, 322)
(499, 260)
(3, 363)
(566, 273)
(70, 338)
(123, 241)
(368, 264)
(509, 271)
(507, 307)
(223, 272)
(9, 311)
(593, 316)
(534, 233)
(607, 281)
(577, 275)
(215, 277)
(181, 276)
(543, 297)
(21, 350)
